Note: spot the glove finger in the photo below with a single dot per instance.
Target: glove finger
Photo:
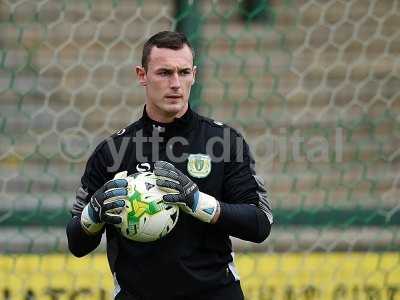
(116, 192)
(112, 218)
(163, 165)
(167, 174)
(111, 194)
(168, 185)
(118, 203)
(168, 191)
(166, 169)
(120, 175)
(171, 198)
(160, 164)
(116, 183)
(176, 200)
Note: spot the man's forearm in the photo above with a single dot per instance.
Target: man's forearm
(79, 242)
(244, 221)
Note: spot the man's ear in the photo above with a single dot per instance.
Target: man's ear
(141, 75)
(194, 74)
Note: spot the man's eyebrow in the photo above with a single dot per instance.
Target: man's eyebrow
(172, 68)
(163, 69)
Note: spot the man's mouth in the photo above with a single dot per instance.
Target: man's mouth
(174, 96)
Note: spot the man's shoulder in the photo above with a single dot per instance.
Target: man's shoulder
(118, 136)
(212, 123)
(128, 131)
(218, 126)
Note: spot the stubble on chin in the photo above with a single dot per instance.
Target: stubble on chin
(174, 109)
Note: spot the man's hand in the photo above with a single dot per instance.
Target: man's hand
(104, 205)
(184, 192)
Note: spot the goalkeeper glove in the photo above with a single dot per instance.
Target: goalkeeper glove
(184, 192)
(104, 205)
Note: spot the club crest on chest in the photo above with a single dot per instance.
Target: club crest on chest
(199, 165)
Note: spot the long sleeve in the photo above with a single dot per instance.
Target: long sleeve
(244, 221)
(79, 242)
(245, 207)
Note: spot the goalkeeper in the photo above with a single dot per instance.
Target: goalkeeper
(216, 186)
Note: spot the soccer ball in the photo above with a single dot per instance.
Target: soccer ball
(146, 217)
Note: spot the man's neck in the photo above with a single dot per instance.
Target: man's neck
(162, 117)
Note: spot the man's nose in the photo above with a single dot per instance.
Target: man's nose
(174, 82)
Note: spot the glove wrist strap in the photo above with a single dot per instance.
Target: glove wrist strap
(87, 223)
(206, 207)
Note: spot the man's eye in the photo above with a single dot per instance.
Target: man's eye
(185, 72)
(163, 73)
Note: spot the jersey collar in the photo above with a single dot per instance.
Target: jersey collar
(178, 127)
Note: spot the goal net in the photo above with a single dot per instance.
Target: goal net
(312, 85)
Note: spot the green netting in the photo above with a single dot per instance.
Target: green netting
(312, 85)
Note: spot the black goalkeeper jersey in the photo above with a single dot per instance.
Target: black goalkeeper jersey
(195, 256)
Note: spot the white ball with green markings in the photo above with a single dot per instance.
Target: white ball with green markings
(146, 217)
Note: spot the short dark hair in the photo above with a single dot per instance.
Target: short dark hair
(164, 39)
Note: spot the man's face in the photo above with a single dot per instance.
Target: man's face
(168, 80)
